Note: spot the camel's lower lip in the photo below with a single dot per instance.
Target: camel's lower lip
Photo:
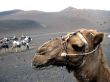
(41, 67)
(37, 67)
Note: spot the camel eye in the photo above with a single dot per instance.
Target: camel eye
(77, 48)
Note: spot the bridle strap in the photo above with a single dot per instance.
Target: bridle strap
(65, 54)
(83, 39)
(64, 44)
(83, 53)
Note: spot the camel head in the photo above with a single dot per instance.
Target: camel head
(71, 50)
(48, 54)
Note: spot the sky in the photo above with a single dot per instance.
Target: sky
(53, 5)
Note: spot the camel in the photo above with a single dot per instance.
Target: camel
(23, 42)
(81, 52)
(4, 44)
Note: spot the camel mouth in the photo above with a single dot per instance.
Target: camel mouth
(37, 66)
(41, 66)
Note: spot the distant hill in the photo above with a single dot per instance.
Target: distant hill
(69, 9)
(65, 20)
(16, 24)
(10, 12)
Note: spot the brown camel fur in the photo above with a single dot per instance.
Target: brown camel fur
(81, 52)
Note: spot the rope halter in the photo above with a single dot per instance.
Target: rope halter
(64, 42)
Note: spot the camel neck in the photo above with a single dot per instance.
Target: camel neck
(95, 71)
(103, 74)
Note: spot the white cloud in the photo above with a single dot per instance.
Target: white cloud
(92, 4)
(53, 5)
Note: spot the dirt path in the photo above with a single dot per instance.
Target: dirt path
(16, 67)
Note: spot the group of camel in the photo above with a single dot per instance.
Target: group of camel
(80, 52)
(15, 43)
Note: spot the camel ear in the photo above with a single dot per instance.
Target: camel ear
(98, 38)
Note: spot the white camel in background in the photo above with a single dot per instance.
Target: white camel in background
(21, 43)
